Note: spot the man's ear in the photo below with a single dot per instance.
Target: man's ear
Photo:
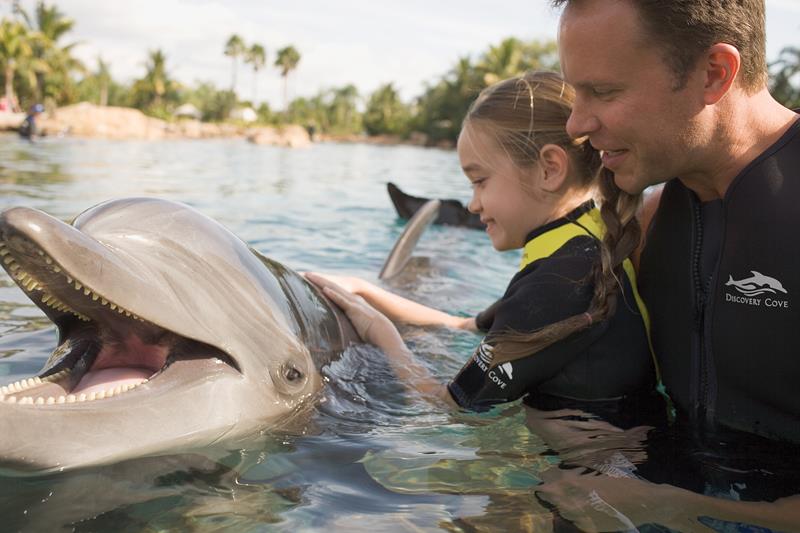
(722, 63)
(554, 165)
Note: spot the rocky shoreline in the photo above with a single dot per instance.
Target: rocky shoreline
(124, 123)
(88, 120)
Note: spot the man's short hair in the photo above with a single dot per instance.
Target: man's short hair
(687, 28)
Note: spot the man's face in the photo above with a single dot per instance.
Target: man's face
(625, 97)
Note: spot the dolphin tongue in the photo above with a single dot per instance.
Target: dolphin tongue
(128, 361)
(111, 378)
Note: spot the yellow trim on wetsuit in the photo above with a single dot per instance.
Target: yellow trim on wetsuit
(589, 223)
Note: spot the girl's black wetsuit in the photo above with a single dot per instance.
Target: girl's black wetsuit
(607, 361)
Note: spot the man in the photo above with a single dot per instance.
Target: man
(676, 92)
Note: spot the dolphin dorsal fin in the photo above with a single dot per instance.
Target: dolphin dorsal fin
(757, 274)
(404, 246)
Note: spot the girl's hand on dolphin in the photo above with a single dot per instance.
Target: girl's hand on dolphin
(348, 283)
(370, 324)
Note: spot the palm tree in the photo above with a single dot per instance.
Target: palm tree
(52, 25)
(256, 56)
(234, 48)
(288, 58)
(15, 48)
(103, 76)
(157, 75)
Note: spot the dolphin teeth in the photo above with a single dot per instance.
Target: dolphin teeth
(100, 395)
(39, 401)
(12, 399)
(8, 260)
(50, 400)
(3, 390)
(95, 297)
(56, 268)
(61, 399)
(4, 251)
(113, 307)
(71, 398)
(92, 396)
(78, 285)
(69, 280)
(86, 291)
(48, 260)
(82, 397)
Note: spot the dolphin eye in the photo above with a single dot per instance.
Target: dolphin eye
(292, 374)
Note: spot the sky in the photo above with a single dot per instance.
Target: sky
(364, 42)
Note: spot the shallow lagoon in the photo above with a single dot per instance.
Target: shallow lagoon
(371, 457)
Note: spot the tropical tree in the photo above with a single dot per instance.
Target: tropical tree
(15, 51)
(55, 80)
(256, 56)
(343, 115)
(785, 83)
(287, 60)
(386, 113)
(234, 48)
(103, 76)
(442, 107)
(100, 87)
(152, 92)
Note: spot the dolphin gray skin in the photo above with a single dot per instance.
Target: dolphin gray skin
(173, 335)
(404, 246)
(451, 212)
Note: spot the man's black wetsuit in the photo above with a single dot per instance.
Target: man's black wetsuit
(605, 362)
(722, 283)
(28, 127)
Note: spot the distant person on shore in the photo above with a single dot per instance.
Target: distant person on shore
(570, 328)
(27, 130)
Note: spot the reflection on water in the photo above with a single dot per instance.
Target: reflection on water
(372, 457)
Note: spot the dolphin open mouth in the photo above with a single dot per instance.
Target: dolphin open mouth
(105, 351)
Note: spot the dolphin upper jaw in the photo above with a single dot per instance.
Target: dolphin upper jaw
(141, 269)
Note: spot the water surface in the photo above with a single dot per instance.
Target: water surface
(373, 457)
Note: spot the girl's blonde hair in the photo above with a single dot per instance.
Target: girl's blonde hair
(524, 114)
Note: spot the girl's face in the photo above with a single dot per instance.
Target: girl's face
(507, 197)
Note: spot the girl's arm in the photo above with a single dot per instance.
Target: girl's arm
(396, 308)
(375, 328)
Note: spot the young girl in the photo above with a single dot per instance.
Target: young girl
(570, 325)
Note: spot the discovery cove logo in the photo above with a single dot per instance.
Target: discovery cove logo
(757, 290)
(501, 375)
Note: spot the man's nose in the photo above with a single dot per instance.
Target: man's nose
(581, 122)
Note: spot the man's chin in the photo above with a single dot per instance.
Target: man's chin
(629, 183)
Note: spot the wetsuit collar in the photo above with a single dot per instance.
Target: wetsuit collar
(572, 216)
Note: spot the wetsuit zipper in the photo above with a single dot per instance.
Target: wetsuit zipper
(701, 398)
(705, 409)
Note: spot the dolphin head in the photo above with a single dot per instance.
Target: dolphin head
(172, 334)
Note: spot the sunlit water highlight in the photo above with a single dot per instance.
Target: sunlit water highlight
(373, 457)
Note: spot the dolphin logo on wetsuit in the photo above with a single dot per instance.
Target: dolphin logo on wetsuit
(757, 284)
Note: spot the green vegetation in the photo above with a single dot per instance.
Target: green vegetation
(37, 64)
(785, 82)
(287, 61)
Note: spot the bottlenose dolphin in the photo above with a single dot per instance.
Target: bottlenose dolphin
(173, 335)
(451, 212)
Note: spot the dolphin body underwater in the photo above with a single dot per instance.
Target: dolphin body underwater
(173, 334)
